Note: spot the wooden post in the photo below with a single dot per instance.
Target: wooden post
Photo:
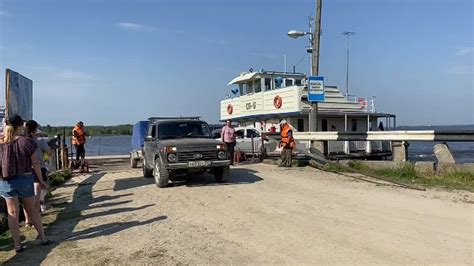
(263, 151)
(253, 149)
(7, 91)
(64, 153)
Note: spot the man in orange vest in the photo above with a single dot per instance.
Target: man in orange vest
(79, 140)
(287, 143)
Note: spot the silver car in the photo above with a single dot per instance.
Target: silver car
(244, 137)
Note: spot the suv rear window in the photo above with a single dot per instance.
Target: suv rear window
(172, 130)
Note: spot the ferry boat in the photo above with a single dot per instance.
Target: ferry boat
(261, 99)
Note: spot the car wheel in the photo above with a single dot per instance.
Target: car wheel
(147, 172)
(161, 174)
(222, 174)
(133, 162)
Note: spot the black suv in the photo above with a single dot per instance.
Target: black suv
(179, 146)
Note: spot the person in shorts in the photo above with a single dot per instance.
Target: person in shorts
(31, 132)
(18, 161)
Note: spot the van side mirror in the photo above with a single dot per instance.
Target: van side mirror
(149, 138)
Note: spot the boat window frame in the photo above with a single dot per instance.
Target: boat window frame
(269, 84)
(251, 87)
(275, 84)
(242, 89)
(257, 81)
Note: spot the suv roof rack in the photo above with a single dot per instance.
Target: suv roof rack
(177, 117)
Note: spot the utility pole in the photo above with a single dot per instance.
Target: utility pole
(315, 45)
(348, 34)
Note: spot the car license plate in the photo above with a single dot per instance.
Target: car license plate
(199, 164)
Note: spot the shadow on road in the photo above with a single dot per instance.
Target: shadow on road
(111, 228)
(62, 229)
(133, 182)
(238, 176)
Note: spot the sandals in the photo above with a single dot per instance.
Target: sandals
(19, 249)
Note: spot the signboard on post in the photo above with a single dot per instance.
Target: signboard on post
(316, 89)
(19, 95)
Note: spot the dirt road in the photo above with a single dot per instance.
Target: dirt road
(264, 215)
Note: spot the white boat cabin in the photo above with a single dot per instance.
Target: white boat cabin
(262, 99)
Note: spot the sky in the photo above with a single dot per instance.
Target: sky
(117, 62)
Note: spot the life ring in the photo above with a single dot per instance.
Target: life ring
(362, 102)
(277, 102)
(230, 109)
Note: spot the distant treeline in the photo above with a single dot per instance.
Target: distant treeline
(90, 130)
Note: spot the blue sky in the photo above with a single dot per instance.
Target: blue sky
(115, 62)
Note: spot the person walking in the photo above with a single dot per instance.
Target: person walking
(31, 131)
(79, 140)
(287, 143)
(228, 137)
(17, 161)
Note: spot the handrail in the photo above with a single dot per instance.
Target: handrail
(412, 135)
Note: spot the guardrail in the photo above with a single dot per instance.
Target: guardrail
(416, 135)
(374, 141)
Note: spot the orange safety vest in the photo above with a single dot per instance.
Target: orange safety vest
(286, 139)
(80, 137)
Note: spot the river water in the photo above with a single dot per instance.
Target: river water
(417, 151)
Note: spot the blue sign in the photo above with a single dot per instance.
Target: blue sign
(316, 89)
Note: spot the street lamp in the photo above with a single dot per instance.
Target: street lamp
(296, 34)
(314, 59)
(348, 35)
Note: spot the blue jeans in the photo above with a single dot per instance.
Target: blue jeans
(17, 186)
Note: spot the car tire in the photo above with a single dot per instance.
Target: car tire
(160, 174)
(222, 174)
(133, 162)
(147, 172)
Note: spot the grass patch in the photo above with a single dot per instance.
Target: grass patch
(335, 167)
(406, 174)
(58, 178)
(5, 239)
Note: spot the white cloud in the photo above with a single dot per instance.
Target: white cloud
(464, 50)
(76, 76)
(135, 27)
(460, 70)
(59, 74)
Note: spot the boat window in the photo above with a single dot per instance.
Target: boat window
(249, 86)
(268, 84)
(298, 82)
(288, 82)
(278, 82)
(242, 89)
(257, 85)
(354, 124)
